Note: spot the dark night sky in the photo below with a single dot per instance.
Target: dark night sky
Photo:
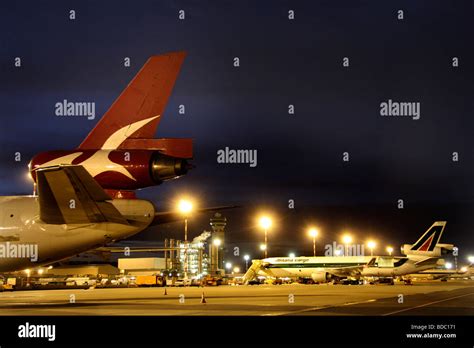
(282, 62)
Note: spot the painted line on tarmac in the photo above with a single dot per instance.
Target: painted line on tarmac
(318, 308)
(426, 304)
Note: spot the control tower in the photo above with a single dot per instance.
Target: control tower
(217, 243)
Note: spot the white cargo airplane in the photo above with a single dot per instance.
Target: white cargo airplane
(422, 255)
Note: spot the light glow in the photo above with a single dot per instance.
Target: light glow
(265, 222)
(371, 244)
(347, 239)
(313, 232)
(185, 206)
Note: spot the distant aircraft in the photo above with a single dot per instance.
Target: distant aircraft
(121, 152)
(422, 255)
(428, 244)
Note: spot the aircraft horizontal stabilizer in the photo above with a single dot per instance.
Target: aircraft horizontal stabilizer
(427, 261)
(68, 194)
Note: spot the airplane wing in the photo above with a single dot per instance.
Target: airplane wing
(68, 194)
(165, 217)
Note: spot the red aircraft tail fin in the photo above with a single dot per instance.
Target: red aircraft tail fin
(135, 114)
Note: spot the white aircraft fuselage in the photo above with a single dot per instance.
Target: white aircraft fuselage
(21, 226)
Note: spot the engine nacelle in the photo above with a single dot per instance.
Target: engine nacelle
(438, 251)
(118, 169)
(321, 277)
(164, 167)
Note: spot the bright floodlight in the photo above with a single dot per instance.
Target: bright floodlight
(246, 257)
(236, 270)
(263, 247)
(347, 239)
(265, 222)
(448, 265)
(464, 269)
(389, 249)
(292, 255)
(228, 265)
(185, 206)
(217, 242)
(40, 271)
(313, 232)
(371, 244)
(470, 259)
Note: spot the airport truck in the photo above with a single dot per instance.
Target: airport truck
(210, 280)
(8, 284)
(150, 280)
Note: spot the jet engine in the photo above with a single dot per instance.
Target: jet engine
(118, 169)
(164, 167)
(321, 277)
